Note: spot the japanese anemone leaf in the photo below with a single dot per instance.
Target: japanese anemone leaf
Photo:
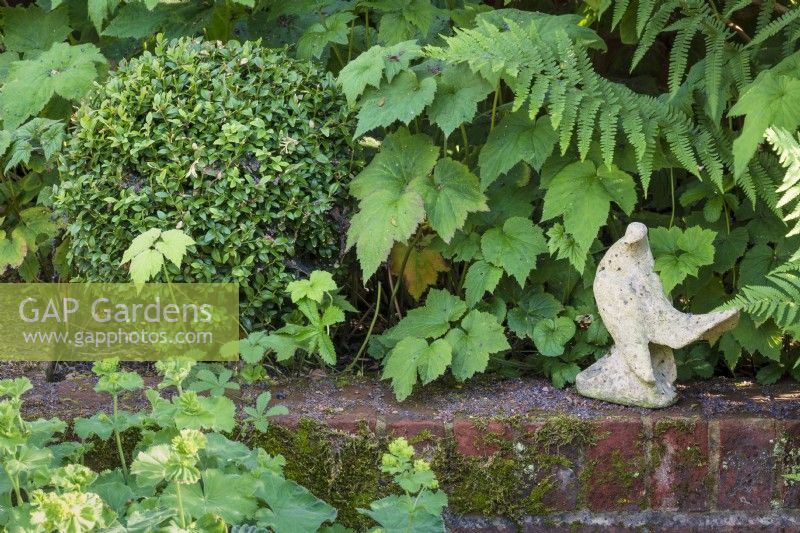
(450, 195)
(479, 336)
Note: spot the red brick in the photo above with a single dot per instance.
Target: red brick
(746, 463)
(479, 438)
(353, 422)
(788, 461)
(411, 428)
(617, 467)
(681, 472)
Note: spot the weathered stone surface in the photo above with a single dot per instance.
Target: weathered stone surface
(639, 369)
(657, 522)
(353, 422)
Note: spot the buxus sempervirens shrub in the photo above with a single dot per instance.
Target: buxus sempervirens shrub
(242, 148)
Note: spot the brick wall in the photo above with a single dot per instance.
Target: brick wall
(625, 463)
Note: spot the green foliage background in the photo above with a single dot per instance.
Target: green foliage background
(509, 144)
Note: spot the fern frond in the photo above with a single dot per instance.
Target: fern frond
(643, 14)
(566, 86)
(765, 178)
(568, 122)
(633, 127)
(715, 58)
(586, 121)
(792, 36)
(774, 27)
(620, 7)
(537, 95)
(682, 149)
(745, 182)
(778, 300)
(654, 27)
(521, 87)
(609, 123)
(788, 149)
(644, 165)
(732, 6)
(710, 158)
(679, 55)
(739, 69)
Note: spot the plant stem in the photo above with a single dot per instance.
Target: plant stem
(494, 104)
(461, 279)
(338, 54)
(350, 40)
(180, 504)
(399, 279)
(119, 441)
(672, 193)
(727, 217)
(391, 291)
(15, 483)
(369, 331)
(465, 139)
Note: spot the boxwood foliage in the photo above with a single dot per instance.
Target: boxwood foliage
(242, 147)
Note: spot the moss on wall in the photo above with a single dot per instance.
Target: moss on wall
(342, 469)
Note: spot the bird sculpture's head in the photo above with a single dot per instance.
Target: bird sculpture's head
(635, 234)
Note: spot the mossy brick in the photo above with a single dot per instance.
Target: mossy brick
(559, 446)
(480, 438)
(680, 476)
(614, 476)
(787, 457)
(746, 474)
(342, 468)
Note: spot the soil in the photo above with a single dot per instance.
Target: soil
(322, 396)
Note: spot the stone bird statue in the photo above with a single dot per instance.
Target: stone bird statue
(639, 369)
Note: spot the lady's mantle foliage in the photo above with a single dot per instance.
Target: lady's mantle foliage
(186, 475)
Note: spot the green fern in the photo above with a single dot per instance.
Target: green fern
(547, 67)
(774, 27)
(648, 28)
(679, 55)
(778, 300)
(706, 88)
(788, 148)
(619, 11)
